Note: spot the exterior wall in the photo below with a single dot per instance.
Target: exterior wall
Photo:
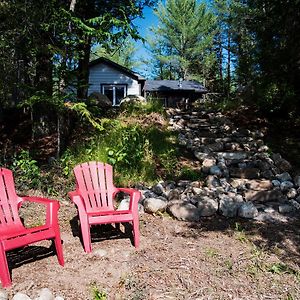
(174, 98)
(104, 74)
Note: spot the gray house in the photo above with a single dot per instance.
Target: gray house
(113, 80)
(116, 82)
(174, 92)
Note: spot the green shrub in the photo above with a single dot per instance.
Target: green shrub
(133, 150)
(137, 108)
(26, 170)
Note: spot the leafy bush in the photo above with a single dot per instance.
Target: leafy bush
(26, 170)
(133, 150)
(137, 108)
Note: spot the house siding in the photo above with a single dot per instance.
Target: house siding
(104, 74)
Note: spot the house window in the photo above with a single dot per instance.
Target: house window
(114, 92)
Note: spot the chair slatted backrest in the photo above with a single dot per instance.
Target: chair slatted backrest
(95, 183)
(9, 216)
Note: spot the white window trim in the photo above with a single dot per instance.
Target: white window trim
(114, 86)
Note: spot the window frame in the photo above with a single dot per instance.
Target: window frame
(114, 86)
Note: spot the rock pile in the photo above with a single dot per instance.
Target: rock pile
(44, 294)
(241, 177)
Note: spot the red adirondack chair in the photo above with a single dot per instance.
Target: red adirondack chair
(94, 196)
(12, 232)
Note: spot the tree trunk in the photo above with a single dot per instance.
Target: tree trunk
(44, 70)
(228, 63)
(83, 70)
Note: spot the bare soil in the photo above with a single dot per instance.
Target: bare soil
(215, 259)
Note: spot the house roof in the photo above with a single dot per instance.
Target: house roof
(174, 85)
(116, 66)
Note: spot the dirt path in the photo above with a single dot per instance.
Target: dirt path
(214, 259)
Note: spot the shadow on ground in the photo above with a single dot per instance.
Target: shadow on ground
(280, 237)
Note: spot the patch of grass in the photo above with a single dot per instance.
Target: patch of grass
(281, 268)
(187, 173)
(211, 252)
(134, 289)
(97, 294)
(228, 265)
(136, 108)
(135, 151)
(239, 233)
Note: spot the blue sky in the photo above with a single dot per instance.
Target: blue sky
(144, 25)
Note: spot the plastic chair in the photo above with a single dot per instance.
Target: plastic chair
(94, 196)
(13, 234)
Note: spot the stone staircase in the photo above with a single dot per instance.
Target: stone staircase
(243, 178)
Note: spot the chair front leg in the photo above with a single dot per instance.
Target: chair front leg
(58, 246)
(4, 270)
(85, 231)
(136, 231)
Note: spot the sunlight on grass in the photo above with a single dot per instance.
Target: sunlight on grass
(135, 150)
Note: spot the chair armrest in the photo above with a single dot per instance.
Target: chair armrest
(135, 196)
(76, 198)
(52, 207)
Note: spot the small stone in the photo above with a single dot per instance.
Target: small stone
(247, 210)
(184, 212)
(215, 170)
(269, 210)
(250, 173)
(297, 181)
(293, 203)
(100, 252)
(281, 163)
(207, 164)
(212, 181)
(154, 205)
(298, 199)
(233, 155)
(200, 155)
(284, 177)
(268, 174)
(228, 207)
(292, 193)
(174, 195)
(285, 208)
(3, 295)
(59, 298)
(158, 189)
(263, 196)
(20, 296)
(148, 194)
(124, 204)
(183, 183)
(196, 190)
(46, 294)
(264, 148)
(286, 185)
(207, 207)
(225, 185)
(276, 183)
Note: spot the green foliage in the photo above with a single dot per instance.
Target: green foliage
(26, 170)
(123, 54)
(133, 150)
(184, 39)
(135, 108)
(97, 294)
(281, 268)
(127, 143)
(81, 109)
(187, 173)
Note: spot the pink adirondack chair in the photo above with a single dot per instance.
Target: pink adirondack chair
(94, 196)
(12, 232)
